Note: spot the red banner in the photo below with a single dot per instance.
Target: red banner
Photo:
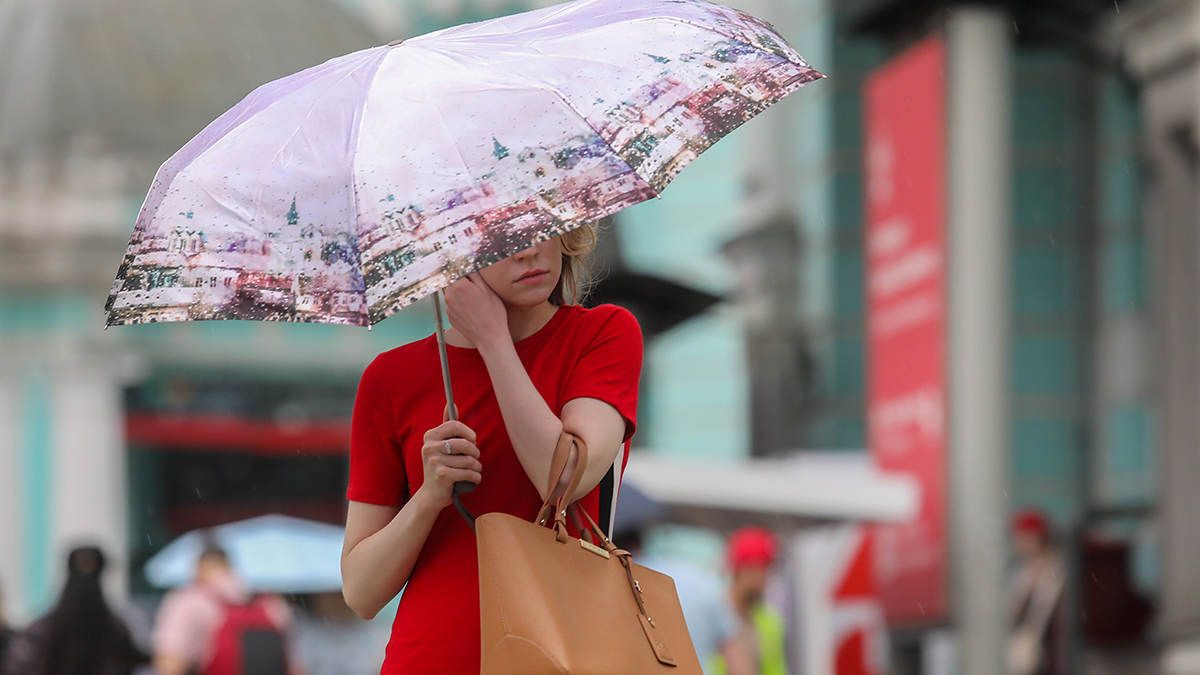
(905, 269)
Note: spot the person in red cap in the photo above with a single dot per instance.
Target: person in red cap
(751, 553)
(1035, 608)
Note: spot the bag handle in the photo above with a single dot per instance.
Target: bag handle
(558, 466)
(556, 498)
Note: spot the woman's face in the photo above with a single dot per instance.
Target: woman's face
(527, 278)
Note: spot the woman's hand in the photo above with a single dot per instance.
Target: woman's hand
(476, 311)
(442, 468)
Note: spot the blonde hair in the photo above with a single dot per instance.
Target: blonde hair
(576, 247)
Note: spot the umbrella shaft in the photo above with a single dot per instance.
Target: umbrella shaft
(462, 486)
(441, 343)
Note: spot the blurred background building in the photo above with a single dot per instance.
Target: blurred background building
(132, 436)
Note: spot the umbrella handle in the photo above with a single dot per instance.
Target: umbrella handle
(462, 486)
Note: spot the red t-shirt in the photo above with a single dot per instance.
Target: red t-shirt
(580, 353)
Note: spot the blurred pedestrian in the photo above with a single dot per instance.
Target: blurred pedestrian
(81, 635)
(751, 553)
(215, 626)
(1036, 641)
(6, 632)
(332, 640)
(711, 620)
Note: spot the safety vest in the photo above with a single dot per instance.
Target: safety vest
(772, 638)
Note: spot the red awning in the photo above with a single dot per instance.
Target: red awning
(231, 432)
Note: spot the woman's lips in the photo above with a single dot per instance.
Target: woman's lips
(532, 277)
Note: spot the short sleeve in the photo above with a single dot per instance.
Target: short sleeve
(724, 616)
(610, 367)
(178, 630)
(376, 465)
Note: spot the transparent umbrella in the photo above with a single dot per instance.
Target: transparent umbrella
(274, 553)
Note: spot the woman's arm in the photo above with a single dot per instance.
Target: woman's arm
(479, 314)
(534, 429)
(383, 542)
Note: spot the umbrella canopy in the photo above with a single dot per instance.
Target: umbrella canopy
(345, 192)
(274, 553)
(635, 511)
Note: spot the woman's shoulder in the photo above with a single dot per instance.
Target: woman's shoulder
(603, 318)
(403, 355)
(409, 361)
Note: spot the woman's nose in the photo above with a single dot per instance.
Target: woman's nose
(526, 253)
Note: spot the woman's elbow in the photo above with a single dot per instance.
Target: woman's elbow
(361, 606)
(357, 598)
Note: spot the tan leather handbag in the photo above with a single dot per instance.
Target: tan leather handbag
(551, 603)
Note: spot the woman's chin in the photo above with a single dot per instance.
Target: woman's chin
(527, 298)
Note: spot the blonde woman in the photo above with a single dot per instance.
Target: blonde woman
(527, 366)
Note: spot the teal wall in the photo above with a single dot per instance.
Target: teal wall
(833, 225)
(697, 395)
(1125, 464)
(26, 319)
(1049, 183)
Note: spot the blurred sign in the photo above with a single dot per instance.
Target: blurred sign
(840, 621)
(905, 198)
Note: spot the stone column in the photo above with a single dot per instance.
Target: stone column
(89, 465)
(62, 466)
(979, 148)
(1161, 44)
(12, 597)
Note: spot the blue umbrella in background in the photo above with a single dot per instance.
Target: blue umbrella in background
(635, 511)
(276, 554)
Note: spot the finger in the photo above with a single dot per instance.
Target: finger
(449, 475)
(450, 293)
(461, 446)
(446, 413)
(448, 430)
(481, 282)
(454, 447)
(466, 462)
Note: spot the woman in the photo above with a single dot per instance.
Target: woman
(1035, 642)
(81, 635)
(527, 367)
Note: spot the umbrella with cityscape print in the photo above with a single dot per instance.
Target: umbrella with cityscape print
(345, 192)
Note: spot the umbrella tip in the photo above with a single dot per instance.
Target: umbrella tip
(395, 43)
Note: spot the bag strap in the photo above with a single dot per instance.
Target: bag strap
(559, 499)
(554, 496)
(558, 466)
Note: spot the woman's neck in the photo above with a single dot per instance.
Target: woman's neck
(525, 321)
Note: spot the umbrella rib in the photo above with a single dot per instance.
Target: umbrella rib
(352, 71)
(361, 111)
(596, 131)
(542, 86)
(243, 120)
(693, 24)
(450, 135)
